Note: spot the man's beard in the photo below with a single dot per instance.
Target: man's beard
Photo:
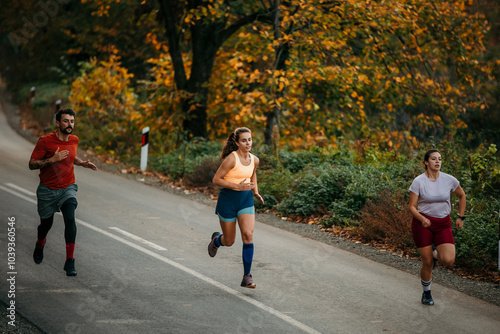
(65, 130)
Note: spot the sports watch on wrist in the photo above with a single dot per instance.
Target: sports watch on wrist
(461, 217)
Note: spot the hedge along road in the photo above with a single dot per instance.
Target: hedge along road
(143, 266)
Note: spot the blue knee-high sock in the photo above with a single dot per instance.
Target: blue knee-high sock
(218, 241)
(247, 258)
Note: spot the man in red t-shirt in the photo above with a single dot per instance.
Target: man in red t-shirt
(55, 156)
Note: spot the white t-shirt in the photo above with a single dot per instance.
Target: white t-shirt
(434, 195)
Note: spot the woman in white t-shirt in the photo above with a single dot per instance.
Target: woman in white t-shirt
(431, 225)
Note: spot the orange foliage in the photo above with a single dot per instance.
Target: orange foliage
(106, 103)
(379, 70)
(394, 72)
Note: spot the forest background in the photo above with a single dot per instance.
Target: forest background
(343, 98)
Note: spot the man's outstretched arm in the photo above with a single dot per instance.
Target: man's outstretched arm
(85, 164)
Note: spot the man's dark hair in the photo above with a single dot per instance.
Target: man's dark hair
(67, 111)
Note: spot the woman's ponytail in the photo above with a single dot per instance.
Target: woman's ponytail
(230, 144)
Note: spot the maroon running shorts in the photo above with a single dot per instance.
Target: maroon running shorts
(438, 233)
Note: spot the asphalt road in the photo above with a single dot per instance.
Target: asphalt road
(143, 267)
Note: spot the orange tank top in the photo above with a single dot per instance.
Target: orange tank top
(240, 172)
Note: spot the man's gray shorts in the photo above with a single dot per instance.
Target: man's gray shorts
(50, 200)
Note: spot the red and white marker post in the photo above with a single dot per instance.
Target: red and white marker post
(144, 149)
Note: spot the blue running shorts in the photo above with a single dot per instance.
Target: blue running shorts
(232, 203)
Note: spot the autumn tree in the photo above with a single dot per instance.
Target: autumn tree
(395, 72)
(107, 106)
(199, 28)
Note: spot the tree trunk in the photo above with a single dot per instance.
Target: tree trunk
(205, 44)
(282, 52)
(206, 38)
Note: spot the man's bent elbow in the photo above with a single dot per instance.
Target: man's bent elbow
(32, 165)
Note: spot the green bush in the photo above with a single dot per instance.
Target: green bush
(366, 183)
(315, 156)
(342, 212)
(477, 241)
(340, 191)
(268, 158)
(485, 172)
(297, 161)
(202, 172)
(274, 186)
(314, 189)
(200, 148)
(186, 159)
(168, 164)
(401, 173)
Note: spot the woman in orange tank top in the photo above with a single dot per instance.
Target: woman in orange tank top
(236, 176)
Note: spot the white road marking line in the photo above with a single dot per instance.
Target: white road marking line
(62, 290)
(133, 236)
(190, 271)
(123, 321)
(27, 192)
(29, 199)
(202, 277)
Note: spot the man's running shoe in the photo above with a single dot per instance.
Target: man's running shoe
(427, 298)
(212, 249)
(38, 255)
(69, 267)
(247, 282)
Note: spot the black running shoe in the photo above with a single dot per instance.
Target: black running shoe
(427, 298)
(38, 255)
(247, 282)
(69, 267)
(212, 249)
